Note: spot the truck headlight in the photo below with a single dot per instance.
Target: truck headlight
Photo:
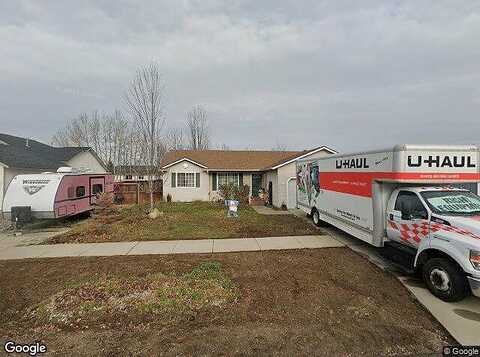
(475, 259)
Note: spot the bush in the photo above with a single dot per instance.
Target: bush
(231, 191)
(169, 198)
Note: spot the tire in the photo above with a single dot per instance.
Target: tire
(316, 218)
(445, 279)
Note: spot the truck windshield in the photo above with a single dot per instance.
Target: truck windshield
(452, 202)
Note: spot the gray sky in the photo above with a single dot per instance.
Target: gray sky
(348, 74)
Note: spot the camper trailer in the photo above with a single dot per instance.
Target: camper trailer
(409, 197)
(48, 195)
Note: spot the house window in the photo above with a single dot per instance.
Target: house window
(128, 177)
(186, 179)
(80, 191)
(140, 177)
(228, 177)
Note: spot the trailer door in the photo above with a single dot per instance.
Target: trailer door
(97, 186)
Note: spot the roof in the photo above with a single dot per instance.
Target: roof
(225, 160)
(14, 152)
(131, 170)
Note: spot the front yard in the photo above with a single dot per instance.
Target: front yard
(196, 220)
(306, 302)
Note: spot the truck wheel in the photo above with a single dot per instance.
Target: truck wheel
(316, 218)
(445, 279)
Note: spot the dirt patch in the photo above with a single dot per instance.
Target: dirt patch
(308, 302)
(196, 220)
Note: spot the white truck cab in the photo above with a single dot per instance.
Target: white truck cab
(405, 197)
(442, 224)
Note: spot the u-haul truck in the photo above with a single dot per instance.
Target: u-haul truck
(404, 196)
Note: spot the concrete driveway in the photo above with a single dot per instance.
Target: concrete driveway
(460, 319)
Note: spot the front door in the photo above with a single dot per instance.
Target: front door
(408, 222)
(256, 184)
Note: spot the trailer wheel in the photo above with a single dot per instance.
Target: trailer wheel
(316, 218)
(445, 279)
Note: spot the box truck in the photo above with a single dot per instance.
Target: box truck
(409, 197)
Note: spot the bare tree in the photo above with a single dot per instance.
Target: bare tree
(279, 146)
(144, 100)
(175, 139)
(197, 129)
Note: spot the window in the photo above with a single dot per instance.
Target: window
(71, 192)
(97, 188)
(228, 177)
(140, 177)
(128, 177)
(410, 206)
(80, 191)
(461, 203)
(186, 179)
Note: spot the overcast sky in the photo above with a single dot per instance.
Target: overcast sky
(348, 74)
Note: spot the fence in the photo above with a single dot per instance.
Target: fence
(138, 192)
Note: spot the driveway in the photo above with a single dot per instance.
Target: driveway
(461, 319)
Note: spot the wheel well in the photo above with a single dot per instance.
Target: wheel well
(433, 253)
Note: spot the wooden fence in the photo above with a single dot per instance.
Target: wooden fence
(137, 192)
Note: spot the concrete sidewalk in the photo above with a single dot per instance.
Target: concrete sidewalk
(168, 247)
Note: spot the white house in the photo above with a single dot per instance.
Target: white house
(196, 175)
(25, 156)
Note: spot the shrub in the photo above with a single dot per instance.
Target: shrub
(231, 191)
(169, 198)
(104, 200)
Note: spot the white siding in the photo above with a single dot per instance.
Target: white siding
(86, 160)
(186, 194)
(284, 173)
(271, 176)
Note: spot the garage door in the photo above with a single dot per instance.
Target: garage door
(292, 193)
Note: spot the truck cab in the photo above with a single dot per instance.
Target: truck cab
(441, 226)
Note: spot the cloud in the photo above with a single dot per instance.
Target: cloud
(348, 74)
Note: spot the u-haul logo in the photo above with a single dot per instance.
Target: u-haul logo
(358, 163)
(440, 161)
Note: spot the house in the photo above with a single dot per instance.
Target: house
(196, 175)
(26, 156)
(133, 173)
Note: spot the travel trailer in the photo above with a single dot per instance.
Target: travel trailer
(55, 195)
(408, 197)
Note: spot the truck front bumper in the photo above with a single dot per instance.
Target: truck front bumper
(474, 285)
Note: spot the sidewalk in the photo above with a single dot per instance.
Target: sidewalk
(168, 247)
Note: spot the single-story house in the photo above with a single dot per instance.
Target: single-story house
(197, 174)
(133, 173)
(26, 156)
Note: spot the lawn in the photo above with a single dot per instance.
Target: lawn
(196, 220)
(308, 302)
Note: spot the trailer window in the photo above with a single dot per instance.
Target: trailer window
(410, 205)
(97, 188)
(71, 192)
(80, 191)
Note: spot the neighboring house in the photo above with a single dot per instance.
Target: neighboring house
(131, 173)
(26, 156)
(196, 175)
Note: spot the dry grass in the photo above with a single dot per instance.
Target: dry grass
(105, 300)
(197, 220)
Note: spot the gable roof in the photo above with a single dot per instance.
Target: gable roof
(224, 160)
(14, 152)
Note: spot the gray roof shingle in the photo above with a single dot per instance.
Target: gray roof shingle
(14, 152)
